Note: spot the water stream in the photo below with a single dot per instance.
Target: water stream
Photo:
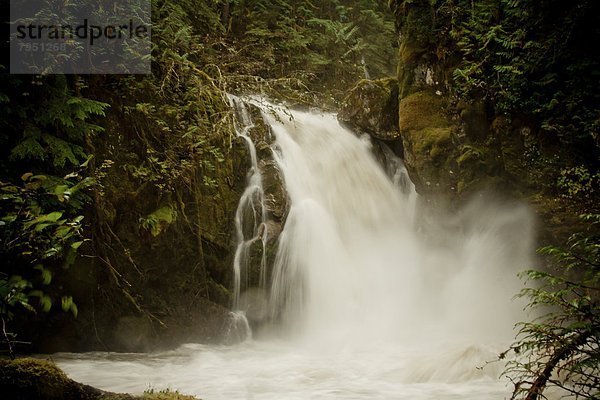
(365, 302)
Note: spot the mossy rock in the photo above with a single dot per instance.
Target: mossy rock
(427, 137)
(276, 198)
(34, 379)
(433, 142)
(27, 378)
(422, 110)
(474, 118)
(372, 107)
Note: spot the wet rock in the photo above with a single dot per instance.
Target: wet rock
(276, 200)
(29, 379)
(263, 150)
(372, 107)
(474, 118)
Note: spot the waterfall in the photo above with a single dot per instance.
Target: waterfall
(398, 173)
(250, 222)
(364, 66)
(352, 263)
(367, 299)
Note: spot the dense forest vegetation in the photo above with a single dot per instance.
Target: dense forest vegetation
(100, 166)
(101, 174)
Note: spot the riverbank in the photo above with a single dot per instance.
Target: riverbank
(31, 379)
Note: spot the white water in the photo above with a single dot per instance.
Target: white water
(365, 304)
(250, 216)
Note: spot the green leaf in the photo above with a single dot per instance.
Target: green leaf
(87, 161)
(66, 302)
(62, 192)
(46, 218)
(41, 227)
(46, 274)
(45, 303)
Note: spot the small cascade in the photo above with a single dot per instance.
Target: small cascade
(237, 329)
(363, 62)
(398, 173)
(250, 218)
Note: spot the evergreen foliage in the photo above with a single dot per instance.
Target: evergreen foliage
(176, 125)
(42, 190)
(539, 58)
(534, 60)
(561, 348)
(326, 46)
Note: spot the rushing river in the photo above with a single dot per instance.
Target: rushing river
(277, 370)
(370, 299)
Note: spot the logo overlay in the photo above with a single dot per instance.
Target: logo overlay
(80, 37)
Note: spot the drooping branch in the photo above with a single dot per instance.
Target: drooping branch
(563, 352)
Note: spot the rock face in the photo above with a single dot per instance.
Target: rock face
(450, 157)
(427, 140)
(371, 108)
(454, 149)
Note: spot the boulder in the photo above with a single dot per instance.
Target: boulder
(371, 107)
(33, 379)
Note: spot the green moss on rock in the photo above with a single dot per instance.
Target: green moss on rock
(427, 138)
(31, 379)
(34, 379)
(433, 142)
(422, 110)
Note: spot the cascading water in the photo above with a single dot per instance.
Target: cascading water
(250, 222)
(352, 265)
(364, 305)
(399, 174)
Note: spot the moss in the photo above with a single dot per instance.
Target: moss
(425, 130)
(34, 379)
(422, 110)
(26, 370)
(30, 378)
(470, 155)
(219, 293)
(427, 138)
(410, 52)
(432, 141)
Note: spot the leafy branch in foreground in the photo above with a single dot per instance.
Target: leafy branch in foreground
(41, 232)
(561, 348)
